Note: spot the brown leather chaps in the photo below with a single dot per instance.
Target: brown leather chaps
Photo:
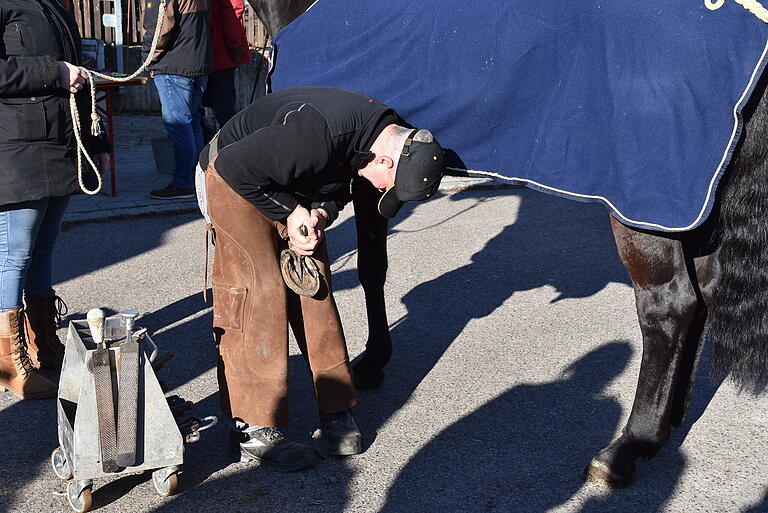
(252, 308)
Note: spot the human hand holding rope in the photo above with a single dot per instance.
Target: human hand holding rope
(71, 77)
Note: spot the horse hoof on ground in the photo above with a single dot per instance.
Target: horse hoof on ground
(366, 377)
(368, 372)
(614, 466)
(599, 473)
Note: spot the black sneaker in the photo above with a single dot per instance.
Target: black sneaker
(340, 434)
(170, 191)
(266, 446)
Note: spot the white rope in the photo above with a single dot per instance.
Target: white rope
(95, 127)
(752, 6)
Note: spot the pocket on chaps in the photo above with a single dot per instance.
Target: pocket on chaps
(229, 307)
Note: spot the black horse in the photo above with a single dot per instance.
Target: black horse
(712, 280)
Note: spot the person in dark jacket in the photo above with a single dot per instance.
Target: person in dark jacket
(229, 46)
(283, 166)
(180, 67)
(39, 69)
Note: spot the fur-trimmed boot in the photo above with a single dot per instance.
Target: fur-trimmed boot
(42, 314)
(16, 371)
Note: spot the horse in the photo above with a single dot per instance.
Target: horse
(710, 281)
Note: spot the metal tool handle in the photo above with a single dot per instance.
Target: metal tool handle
(129, 316)
(152, 346)
(95, 320)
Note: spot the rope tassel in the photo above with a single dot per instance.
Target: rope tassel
(95, 119)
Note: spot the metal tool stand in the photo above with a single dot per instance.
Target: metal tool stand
(144, 433)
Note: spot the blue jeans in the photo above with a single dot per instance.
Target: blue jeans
(180, 100)
(28, 233)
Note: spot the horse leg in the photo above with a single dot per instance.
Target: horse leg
(666, 306)
(706, 268)
(372, 272)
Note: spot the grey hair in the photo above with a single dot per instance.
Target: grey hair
(401, 133)
(424, 136)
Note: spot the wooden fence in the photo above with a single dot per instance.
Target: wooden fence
(88, 14)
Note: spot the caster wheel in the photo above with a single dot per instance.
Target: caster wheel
(60, 464)
(165, 484)
(80, 502)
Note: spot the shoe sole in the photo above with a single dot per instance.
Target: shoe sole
(307, 463)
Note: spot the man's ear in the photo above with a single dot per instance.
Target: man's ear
(385, 160)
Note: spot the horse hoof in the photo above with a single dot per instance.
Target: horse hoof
(600, 474)
(366, 379)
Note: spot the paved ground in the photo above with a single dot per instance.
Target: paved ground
(516, 356)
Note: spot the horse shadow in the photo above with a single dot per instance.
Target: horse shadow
(522, 450)
(523, 256)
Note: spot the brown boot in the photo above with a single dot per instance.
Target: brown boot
(42, 316)
(16, 371)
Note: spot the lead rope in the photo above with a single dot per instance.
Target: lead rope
(95, 127)
(752, 6)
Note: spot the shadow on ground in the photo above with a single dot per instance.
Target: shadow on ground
(524, 448)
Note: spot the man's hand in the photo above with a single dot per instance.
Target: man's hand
(71, 77)
(318, 220)
(299, 220)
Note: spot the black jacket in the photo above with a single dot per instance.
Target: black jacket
(184, 46)
(302, 145)
(37, 144)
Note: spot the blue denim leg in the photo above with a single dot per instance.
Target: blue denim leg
(197, 116)
(21, 226)
(180, 99)
(40, 272)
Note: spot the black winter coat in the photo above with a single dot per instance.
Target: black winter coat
(183, 47)
(302, 145)
(37, 144)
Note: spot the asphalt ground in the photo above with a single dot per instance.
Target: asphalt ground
(516, 356)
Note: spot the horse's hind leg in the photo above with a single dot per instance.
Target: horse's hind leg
(666, 306)
(372, 271)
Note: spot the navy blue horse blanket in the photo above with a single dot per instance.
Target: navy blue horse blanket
(635, 104)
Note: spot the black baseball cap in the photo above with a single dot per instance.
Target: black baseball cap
(419, 170)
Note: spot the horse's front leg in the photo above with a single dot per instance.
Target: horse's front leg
(707, 270)
(372, 271)
(666, 307)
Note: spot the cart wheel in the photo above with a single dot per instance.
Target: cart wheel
(80, 502)
(60, 464)
(165, 483)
